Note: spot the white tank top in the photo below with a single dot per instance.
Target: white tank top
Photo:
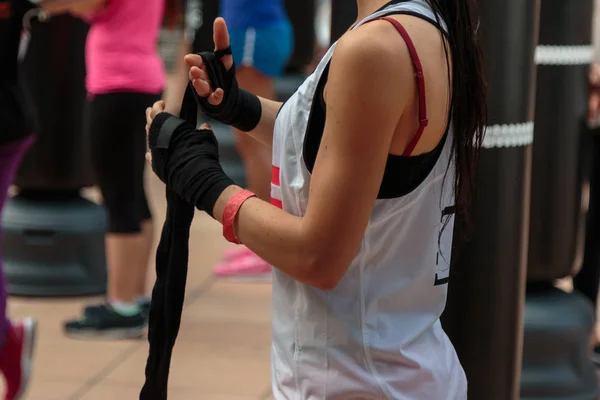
(377, 335)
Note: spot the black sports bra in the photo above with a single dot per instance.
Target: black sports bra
(403, 173)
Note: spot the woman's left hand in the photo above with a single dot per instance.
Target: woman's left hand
(151, 113)
(186, 159)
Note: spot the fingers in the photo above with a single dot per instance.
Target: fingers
(197, 73)
(151, 113)
(158, 107)
(200, 81)
(194, 60)
(220, 34)
(204, 126)
(216, 97)
(149, 119)
(221, 39)
(202, 84)
(204, 89)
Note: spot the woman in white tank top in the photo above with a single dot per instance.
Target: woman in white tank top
(372, 158)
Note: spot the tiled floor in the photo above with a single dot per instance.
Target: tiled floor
(222, 351)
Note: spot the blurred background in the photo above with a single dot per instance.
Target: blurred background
(523, 320)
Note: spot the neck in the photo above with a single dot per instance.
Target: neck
(368, 7)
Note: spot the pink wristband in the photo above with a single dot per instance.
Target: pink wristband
(231, 210)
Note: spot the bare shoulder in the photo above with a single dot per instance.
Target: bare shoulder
(376, 54)
(376, 45)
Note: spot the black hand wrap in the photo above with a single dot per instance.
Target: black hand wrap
(239, 108)
(187, 161)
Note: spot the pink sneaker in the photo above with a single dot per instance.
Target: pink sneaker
(16, 357)
(249, 267)
(237, 252)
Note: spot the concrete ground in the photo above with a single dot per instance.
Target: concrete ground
(222, 351)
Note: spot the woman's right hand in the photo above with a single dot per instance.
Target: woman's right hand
(215, 85)
(198, 74)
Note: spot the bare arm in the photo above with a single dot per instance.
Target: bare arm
(368, 89)
(78, 7)
(177, 86)
(264, 130)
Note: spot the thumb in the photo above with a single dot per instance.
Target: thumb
(221, 38)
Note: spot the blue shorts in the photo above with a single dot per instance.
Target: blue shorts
(266, 49)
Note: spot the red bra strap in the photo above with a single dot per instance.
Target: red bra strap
(420, 84)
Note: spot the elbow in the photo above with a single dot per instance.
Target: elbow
(324, 270)
(326, 285)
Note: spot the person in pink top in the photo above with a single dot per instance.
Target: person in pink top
(125, 74)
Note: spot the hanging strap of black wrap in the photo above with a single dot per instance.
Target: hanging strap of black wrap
(171, 273)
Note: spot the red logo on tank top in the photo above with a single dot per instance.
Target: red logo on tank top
(276, 181)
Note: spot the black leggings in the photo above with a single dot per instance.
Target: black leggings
(116, 125)
(588, 278)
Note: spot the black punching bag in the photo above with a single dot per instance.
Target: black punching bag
(486, 294)
(53, 238)
(343, 15)
(53, 74)
(558, 325)
(200, 16)
(302, 16)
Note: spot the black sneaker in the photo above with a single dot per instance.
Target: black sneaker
(144, 304)
(104, 322)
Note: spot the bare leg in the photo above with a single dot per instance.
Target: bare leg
(125, 254)
(114, 123)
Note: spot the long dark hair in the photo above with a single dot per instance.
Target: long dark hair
(468, 97)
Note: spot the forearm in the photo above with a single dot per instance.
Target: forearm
(187, 161)
(54, 7)
(264, 130)
(178, 85)
(274, 235)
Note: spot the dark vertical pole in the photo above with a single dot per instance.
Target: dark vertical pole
(343, 15)
(199, 18)
(556, 362)
(53, 239)
(302, 16)
(59, 159)
(563, 58)
(484, 313)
